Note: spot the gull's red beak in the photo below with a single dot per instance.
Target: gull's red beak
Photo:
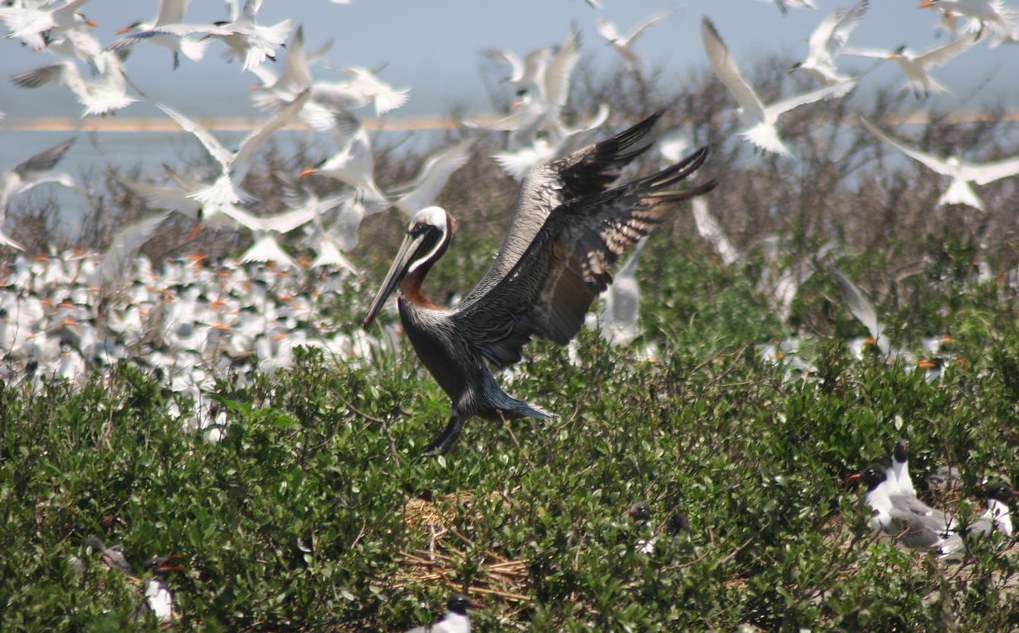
(854, 477)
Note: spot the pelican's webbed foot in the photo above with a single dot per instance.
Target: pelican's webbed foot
(445, 440)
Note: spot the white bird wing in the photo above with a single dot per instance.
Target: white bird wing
(557, 76)
(607, 29)
(860, 307)
(251, 9)
(847, 23)
(267, 249)
(27, 24)
(727, 72)
(638, 30)
(44, 160)
(261, 134)
(711, 231)
(297, 74)
(944, 54)
(985, 173)
(85, 46)
(172, 11)
(508, 57)
(44, 75)
(65, 14)
(791, 103)
(125, 244)
(818, 44)
(314, 56)
(211, 144)
(930, 161)
(673, 145)
(163, 197)
(520, 162)
(876, 53)
(434, 174)
(384, 96)
(186, 29)
(288, 220)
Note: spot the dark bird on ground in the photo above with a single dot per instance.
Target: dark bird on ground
(568, 229)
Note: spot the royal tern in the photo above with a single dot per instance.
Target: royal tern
(994, 16)
(171, 12)
(711, 231)
(422, 191)
(623, 43)
(861, 308)
(527, 75)
(758, 119)
(33, 25)
(353, 163)
(539, 110)
(620, 316)
(30, 173)
(962, 173)
(454, 620)
(916, 66)
(106, 94)
(226, 189)
(785, 5)
(828, 40)
(248, 40)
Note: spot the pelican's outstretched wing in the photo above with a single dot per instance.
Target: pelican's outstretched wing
(585, 172)
(568, 264)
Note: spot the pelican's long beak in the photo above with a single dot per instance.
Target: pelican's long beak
(395, 274)
(307, 171)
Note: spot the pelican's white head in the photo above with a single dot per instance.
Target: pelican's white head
(432, 216)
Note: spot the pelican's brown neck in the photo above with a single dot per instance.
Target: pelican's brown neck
(410, 288)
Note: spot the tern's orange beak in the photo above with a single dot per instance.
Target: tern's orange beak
(307, 171)
(91, 23)
(121, 31)
(926, 363)
(925, 4)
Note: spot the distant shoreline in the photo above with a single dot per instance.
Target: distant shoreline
(221, 124)
(392, 124)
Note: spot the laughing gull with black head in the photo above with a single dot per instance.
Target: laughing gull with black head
(912, 530)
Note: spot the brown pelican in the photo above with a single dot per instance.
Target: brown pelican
(568, 229)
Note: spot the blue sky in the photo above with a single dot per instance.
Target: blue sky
(432, 47)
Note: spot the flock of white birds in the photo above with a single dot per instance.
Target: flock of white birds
(65, 314)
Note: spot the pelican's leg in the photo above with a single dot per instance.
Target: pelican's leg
(445, 440)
